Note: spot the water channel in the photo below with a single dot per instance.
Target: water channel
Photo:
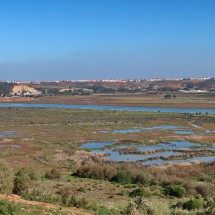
(121, 108)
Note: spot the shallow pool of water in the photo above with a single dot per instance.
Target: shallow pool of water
(173, 145)
(207, 159)
(104, 131)
(170, 149)
(135, 130)
(8, 134)
(164, 127)
(96, 145)
(11, 145)
(184, 132)
(116, 156)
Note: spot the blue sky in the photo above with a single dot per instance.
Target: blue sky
(102, 39)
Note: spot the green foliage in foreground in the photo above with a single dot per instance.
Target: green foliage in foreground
(11, 208)
(105, 211)
(40, 196)
(6, 179)
(211, 205)
(194, 204)
(7, 208)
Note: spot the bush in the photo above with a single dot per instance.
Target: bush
(81, 189)
(21, 182)
(7, 208)
(139, 206)
(205, 189)
(210, 204)
(193, 204)
(144, 178)
(65, 191)
(123, 178)
(105, 211)
(53, 174)
(78, 202)
(179, 211)
(37, 195)
(142, 192)
(175, 190)
(6, 179)
(32, 174)
(96, 171)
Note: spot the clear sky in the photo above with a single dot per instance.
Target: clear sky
(103, 39)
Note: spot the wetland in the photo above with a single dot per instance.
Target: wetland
(125, 136)
(90, 148)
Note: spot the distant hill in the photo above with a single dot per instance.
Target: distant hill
(6, 88)
(110, 86)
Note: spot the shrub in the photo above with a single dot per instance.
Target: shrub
(6, 179)
(123, 178)
(21, 181)
(139, 206)
(78, 202)
(7, 208)
(109, 172)
(142, 192)
(65, 191)
(81, 189)
(210, 203)
(190, 187)
(144, 178)
(179, 211)
(96, 171)
(193, 204)
(32, 174)
(205, 189)
(175, 190)
(37, 195)
(105, 211)
(53, 174)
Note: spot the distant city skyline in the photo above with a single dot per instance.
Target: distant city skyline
(110, 39)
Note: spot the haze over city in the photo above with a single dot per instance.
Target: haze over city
(57, 40)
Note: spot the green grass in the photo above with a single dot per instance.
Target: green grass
(12, 208)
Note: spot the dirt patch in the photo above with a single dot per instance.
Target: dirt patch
(18, 199)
